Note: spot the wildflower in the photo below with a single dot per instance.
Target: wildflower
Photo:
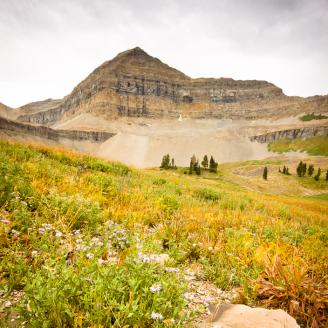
(15, 232)
(189, 297)
(4, 221)
(89, 256)
(206, 299)
(34, 253)
(41, 231)
(156, 316)
(210, 248)
(58, 234)
(190, 273)
(88, 280)
(76, 232)
(155, 288)
(172, 270)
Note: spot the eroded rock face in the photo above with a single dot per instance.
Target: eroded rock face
(242, 316)
(304, 132)
(134, 84)
(56, 135)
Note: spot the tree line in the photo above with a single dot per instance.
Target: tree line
(302, 170)
(194, 167)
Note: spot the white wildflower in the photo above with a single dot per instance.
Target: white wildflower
(4, 221)
(176, 270)
(156, 316)
(155, 288)
(189, 297)
(89, 256)
(58, 234)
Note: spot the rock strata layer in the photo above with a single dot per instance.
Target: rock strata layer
(56, 135)
(304, 132)
(135, 84)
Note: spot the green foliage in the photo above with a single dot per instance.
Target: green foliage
(313, 146)
(208, 194)
(213, 165)
(205, 162)
(310, 170)
(167, 163)
(265, 173)
(317, 176)
(312, 116)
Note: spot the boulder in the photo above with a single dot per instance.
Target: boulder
(242, 316)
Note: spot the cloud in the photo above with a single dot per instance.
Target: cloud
(50, 46)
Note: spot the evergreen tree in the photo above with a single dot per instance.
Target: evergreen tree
(327, 175)
(205, 162)
(317, 176)
(197, 168)
(173, 166)
(299, 169)
(213, 165)
(284, 170)
(310, 170)
(303, 169)
(165, 162)
(279, 170)
(265, 173)
(287, 171)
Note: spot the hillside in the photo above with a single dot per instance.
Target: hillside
(86, 242)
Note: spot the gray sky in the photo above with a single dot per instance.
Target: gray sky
(49, 46)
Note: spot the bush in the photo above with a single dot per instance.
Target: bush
(208, 194)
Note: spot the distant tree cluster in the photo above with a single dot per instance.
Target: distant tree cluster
(285, 170)
(302, 169)
(210, 165)
(168, 163)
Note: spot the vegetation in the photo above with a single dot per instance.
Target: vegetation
(84, 239)
(317, 176)
(168, 163)
(265, 173)
(313, 146)
(312, 116)
(310, 170)
(301, 169)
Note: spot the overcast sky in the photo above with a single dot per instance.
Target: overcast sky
(49, 46)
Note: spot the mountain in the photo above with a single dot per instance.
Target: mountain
(135, 84)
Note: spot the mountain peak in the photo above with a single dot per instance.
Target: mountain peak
(136, 61)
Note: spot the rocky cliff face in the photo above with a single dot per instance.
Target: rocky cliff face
(134, 84)
(56, 135)
(305, 132)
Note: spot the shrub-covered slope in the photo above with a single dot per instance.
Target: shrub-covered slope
(91, 243)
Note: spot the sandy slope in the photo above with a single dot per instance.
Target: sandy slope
(143, 142)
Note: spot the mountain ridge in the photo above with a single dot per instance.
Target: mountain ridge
(135, 84)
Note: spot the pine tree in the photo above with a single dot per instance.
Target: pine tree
(205, 162)
(317, 176)
(165, 162)
(303, 169)
(213, 165)
(327, 175)
(265, 173)
(310, 170)
(287, 171)
(299, 169)
(197, 168)
(284, 170)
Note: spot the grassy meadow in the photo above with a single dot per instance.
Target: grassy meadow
(92, 243)
(313, 146)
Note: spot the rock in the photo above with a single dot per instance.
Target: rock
(135, 84)
(56, 135)
(304, 132)
(242, 316)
